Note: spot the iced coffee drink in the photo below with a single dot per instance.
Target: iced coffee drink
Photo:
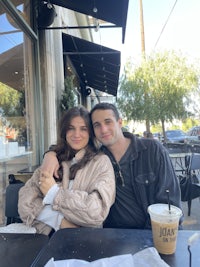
(164, 227)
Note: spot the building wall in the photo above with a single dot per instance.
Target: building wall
(52, 72)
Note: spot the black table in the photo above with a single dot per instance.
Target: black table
(20, 249)
(92, 244)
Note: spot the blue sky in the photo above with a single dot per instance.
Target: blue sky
(7, 40)
(181, 32)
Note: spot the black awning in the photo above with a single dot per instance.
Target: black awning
(113, 11)
(97, 66)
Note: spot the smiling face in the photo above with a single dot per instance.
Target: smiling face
(107, 128)
(77, 135)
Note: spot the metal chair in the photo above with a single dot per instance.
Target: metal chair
(192, 173)
(176, 148)
(178, 153)
(11, 204)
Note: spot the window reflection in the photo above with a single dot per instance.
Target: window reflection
(16, 98)
(13, 126)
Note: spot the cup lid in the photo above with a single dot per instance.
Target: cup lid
(163, 209)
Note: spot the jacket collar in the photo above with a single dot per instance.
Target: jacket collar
(137, 145)
(78, 156)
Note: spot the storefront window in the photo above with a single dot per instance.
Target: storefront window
(16, 89)
(13, 123)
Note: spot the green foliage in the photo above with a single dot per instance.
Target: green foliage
(11, 101)
(189, 123)
(158, 90)
(68, 96)
(157, 128)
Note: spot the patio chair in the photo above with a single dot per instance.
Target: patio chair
(176, 148)
(190, 187)
(11, 200)
(178, 153)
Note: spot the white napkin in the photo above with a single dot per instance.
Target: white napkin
(148, 257)
(18, 228)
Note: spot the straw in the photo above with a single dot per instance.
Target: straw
(191, 241)
(190, 256)
(169, 205)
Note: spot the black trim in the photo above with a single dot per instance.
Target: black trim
(97, 66)
(113, 11)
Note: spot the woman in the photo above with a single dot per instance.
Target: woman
(85, 191)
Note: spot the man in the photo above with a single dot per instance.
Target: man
(143, 170)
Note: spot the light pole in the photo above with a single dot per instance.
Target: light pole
(142, 29)
(143, 55)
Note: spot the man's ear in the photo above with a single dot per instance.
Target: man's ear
(120, 122)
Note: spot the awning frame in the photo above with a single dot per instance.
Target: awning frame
(97, 66)
(106, 10)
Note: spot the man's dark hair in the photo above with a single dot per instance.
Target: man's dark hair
(105, 106)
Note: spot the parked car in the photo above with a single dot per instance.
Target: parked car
(194, 135)
(176, 136)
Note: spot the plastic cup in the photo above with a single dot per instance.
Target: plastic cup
(164, 224)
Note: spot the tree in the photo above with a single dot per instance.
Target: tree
(158, 90)
(10, 100)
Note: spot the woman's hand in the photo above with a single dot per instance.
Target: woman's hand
(67, 224)
(50, 164)
(46, 181)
